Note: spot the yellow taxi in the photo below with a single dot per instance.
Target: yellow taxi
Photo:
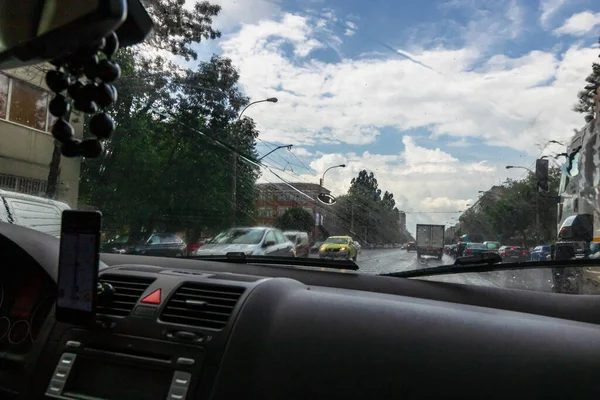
(338, 247)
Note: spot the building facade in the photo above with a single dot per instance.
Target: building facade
(274, 199)
(26, 144)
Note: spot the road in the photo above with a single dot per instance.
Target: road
(393, 260)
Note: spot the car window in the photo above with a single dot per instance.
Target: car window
(270, 237)
(154, 239)
(334, 240)
(279, 237)
(476, 246)
(239, 236)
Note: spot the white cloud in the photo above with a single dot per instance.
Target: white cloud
(301, 151)
(235, 12)
(579, 24)
(548, 9)
(513, 102)
(460, 143)
(429, 184)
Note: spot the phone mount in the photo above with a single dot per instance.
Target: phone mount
(86, 77)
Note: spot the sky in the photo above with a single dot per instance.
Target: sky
(434, 97)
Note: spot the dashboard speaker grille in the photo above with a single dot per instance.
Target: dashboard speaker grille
(202, 305)
(128, 290)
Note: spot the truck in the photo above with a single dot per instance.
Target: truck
(578, 211)
(430, 240)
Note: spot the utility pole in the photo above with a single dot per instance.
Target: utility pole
(537, 215)
(537, 203)
(234, 163)
(233, 188)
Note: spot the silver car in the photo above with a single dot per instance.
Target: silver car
(256, 241)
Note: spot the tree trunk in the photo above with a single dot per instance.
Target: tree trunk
(54, 172)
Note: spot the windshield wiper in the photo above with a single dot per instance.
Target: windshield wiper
(239, 257)
(483, 266)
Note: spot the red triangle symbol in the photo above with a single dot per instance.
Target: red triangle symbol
(152, 298)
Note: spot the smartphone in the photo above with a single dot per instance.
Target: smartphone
(78, 262)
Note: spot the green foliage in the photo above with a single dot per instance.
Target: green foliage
(364, 213)
(585, 103)
(162, 170)
(508, 213)
(295, 219)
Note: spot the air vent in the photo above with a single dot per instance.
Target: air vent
(202, 305)
(128, 290)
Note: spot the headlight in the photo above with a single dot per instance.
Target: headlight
(342, 249)
(322, 248)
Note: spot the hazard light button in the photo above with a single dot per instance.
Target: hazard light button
(152, 298)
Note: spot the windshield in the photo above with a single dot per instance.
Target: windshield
(346, 121)
(336, 241)
(479, 246)
(239, 236)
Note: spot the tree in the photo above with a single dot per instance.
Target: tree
(586, 97)
(295, 219)
(366, 214)
(176, 28)
(176, 129)
(508, 214)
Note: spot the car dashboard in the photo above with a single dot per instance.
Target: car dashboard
(191, 329)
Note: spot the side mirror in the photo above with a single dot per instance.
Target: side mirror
(326, 199)
(541, 174)
(269, 243)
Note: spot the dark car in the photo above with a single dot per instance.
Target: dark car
(513, 253)
(411, 246)
(541, 253)
(159, 244)
(472, 248)
(315, 247)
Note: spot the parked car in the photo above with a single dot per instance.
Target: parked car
(158, 244)
(492, 246)
(411, 246)
(541, 253)
(358, 246)
(300, 240)
(338, 247)
(262, 241)
(191, 247)
(513, 253)
(315, 247)
(33, 212)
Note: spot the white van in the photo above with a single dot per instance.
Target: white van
(33, 212)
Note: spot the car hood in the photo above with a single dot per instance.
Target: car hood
(222, 249)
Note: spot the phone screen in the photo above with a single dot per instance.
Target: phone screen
(78, 266)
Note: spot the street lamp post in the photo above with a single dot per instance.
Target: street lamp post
(285, 146)
(234, 163)
(537, 204)
(321, 182)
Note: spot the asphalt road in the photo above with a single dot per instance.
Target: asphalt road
(393, 260)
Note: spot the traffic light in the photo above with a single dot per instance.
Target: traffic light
(541, 174)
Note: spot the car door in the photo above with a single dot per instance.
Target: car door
(270, 244)
(284, 246)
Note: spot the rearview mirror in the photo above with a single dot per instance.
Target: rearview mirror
(32, 31)
(326, 199)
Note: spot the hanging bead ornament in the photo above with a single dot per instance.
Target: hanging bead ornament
(86, 80)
